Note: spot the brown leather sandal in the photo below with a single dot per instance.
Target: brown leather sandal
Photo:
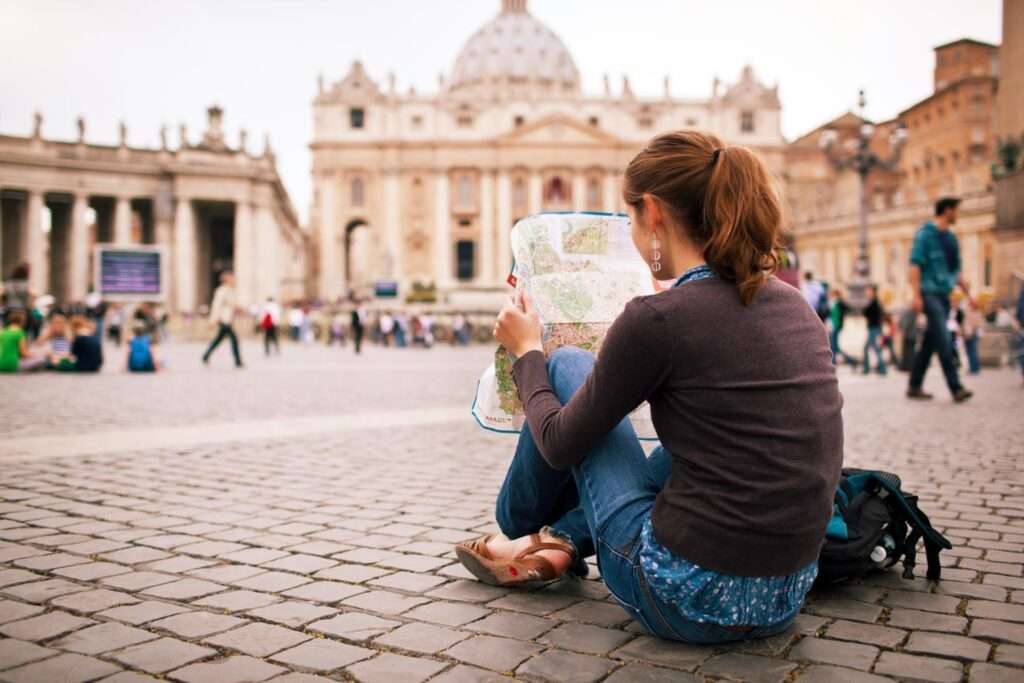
(521, 569)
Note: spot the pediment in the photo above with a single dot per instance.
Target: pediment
(557, 129)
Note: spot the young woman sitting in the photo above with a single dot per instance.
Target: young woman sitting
(715, 536)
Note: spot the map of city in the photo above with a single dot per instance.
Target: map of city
(579, 270)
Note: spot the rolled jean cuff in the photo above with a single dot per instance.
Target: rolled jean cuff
(551, 531)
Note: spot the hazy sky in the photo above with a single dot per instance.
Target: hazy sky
(151, 62)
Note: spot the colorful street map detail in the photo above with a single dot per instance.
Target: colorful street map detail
(579, 270)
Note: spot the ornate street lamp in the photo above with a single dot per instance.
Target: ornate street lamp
(863, 161)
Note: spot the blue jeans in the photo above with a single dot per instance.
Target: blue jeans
(973, 359)
(873, 342)
(600, 506)
(833, 341)
(936, 340)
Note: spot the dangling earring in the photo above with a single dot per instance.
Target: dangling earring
(655, 253)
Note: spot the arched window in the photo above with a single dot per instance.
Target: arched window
(358, 192)
(556, 190)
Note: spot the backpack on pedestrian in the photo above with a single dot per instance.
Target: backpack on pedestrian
(874, 525)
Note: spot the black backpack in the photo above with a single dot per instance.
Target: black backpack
(873, 515)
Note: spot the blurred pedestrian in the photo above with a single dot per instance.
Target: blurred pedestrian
(55, 344)
(294, 321)
(14, 353)
(401, 329)
(17, 296)
(387, 328)
(873, 316)
(1020, 330)
(86, 348)
(115, 323)
(141, 351)
(222, 312)
(270, 318)
(837, 319)
(815, 296)
(358, 326)
(460, 331)
(972, 329)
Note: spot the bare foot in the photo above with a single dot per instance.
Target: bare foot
(501, 547)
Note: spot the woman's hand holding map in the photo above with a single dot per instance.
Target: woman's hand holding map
(518, 327)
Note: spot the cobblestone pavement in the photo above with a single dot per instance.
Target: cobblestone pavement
(328, 556)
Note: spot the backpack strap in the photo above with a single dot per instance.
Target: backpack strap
(910, 552)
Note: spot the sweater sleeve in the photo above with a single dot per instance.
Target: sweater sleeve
(634, 360)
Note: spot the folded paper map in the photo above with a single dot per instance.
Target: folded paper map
(579, 271)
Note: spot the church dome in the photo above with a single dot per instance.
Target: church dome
(515, 52)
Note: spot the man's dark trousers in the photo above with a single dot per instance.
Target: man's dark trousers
(936, 339)
(224, 331)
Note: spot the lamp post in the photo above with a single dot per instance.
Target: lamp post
(862, 161)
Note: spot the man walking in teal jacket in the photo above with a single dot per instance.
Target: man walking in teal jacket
(934, 273)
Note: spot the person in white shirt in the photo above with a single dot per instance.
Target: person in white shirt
(813, 293)
(222, 311)
(387, 328)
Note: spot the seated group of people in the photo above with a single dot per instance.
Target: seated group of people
(68, 346)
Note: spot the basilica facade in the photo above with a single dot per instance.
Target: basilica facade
(420, 191)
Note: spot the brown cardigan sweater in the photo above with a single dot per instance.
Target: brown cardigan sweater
(745, 398)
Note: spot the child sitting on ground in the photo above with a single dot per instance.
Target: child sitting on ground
(142, 351)
(58, 356)
(86, 348)
(14, 353)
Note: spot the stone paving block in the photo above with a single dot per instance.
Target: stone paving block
(354, 626)
(384, 602)
(302, 564)
(225, 573)
(389, 668)
(236, 669)
(822, 673)
(92, 571)
(184, 589)
(50, 562)
(872, 634)
(94, 547)
(237, 601)
(929, 621)
(491, 652)
(409, 582)
(161, 655)
(656, 651)
(12, 610)
(322, 654)
(468, 591)
(17, 652)
(197, 624)
(42, 591)
(93, 601)
(736, 666)
(293, 613)
(178, 565)
(272, 582)
(845, 609)
(566, 667)
(820, 650)
(447, 613)
(322, 548)
(1009, 654)
(468, 674)
(586, 638)
(593, 612)
(539, 603)
(425, 638)
(258, 640)
(325, 591)
(17, 552)
(145, 611)
(970, 590)
(44, 626)
(352, 573)
(513, 625)
(991, 673)
(958, 647)
(928, 602)
(66, 668)
(913, 668)
(366, 556)
(137, 581)
(12, 577)
(135, 555)
(169, 541)
(104, 637)
(995, 610)
(643, 673)
(414, 563)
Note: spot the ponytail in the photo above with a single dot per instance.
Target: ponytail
(721, 196)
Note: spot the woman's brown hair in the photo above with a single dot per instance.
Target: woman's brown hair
(723, 198)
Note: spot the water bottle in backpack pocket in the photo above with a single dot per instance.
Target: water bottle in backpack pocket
(874, 525)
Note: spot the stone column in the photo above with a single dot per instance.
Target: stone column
(393, 226)
(442, 232)
(163, 226)
(123, 221)
(79, 284)
(35, 241)
(485, 276)
(611, 192)
(504, 227)
(242, 258)
(332, 243)
(270, 254)
(535, 193)
(579, 191)
(185, 256)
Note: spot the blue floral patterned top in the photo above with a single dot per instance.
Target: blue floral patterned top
(705, 596)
